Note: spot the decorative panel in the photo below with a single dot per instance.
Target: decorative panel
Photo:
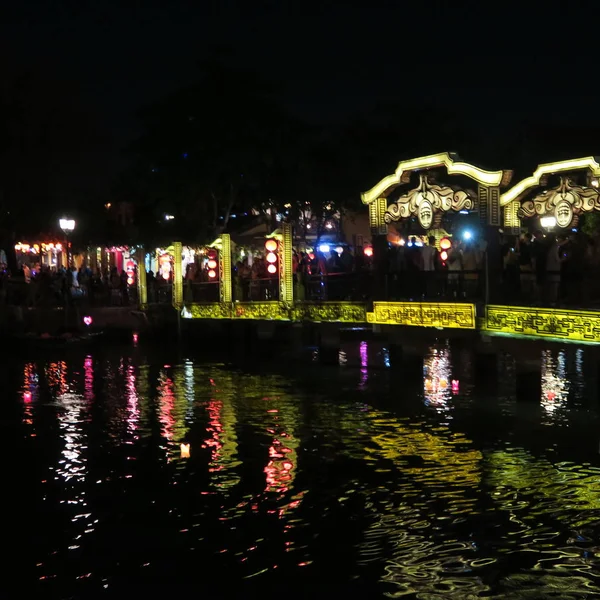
(574, 325)
(494, 207)
(482, 203)
(336, 312)
(286, 275)
(423, 314)
(225, 286)
(264, 311)
(177, 276)
(212, 310)
(141, 278)
(512, 223)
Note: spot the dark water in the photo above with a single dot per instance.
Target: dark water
(357, 480)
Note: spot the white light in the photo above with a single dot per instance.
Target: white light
(67, 224)
(467, 235)
(548, 222)
(169, 217)
(324, 248)
(329, 225)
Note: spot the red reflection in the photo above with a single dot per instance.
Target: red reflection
(215, 429)
(279, 470)
(166, 403)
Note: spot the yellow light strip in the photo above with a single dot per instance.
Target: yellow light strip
(489, 178)
(589, 162)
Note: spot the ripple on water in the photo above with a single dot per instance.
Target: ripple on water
(144, 471)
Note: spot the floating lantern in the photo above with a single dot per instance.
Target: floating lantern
(185, 450)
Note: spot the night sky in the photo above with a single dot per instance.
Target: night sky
(483, 68)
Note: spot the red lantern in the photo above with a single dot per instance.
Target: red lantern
(368, 251)
(212, 273)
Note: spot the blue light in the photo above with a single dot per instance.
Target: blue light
(185, 155)
(467, 235)
(324, 248)
(233, 216)
(463, 212)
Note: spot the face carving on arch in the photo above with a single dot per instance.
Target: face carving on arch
(563, 213)
(425, 214)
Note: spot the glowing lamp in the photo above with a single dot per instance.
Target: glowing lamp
(212, 253)
(428, 384)
(339, 249)
(135, 339)
(212, 264)
(67, 225)
(212, 273)
(27, 397)
(444, 255)
(324, 248)
(443, 384)
(272, 269)
(467, 235)
(368, 251)
(88, 320)
(445, 243)
(311, 256)
(271, 258)
(271, 245)
(455, 385)
(548, 222)
(130, 281)
(184, 450)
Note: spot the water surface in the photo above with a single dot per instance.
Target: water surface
(144, 474)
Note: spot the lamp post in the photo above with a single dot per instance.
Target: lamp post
(67, 225)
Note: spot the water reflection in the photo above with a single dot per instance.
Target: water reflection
(438, 385)
(326, 476)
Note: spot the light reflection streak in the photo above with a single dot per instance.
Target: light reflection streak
(222, 442)
(437, 379)
(555, 385)
(30, 388)
(364, 363)
(133, 412)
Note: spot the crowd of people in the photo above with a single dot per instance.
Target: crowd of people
(551, 269)
(532, 269)
(43, 286)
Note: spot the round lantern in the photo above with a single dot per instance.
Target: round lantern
(212, 273)
(272, 269)
(271, 258)
(212, 253)
(271, 245)
(212, 264)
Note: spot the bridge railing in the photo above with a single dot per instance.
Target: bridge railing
(255, 290)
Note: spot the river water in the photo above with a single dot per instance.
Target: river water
(141, 470)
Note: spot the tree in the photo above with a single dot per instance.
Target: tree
(206, 151)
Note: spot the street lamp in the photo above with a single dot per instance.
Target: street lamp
(67, 225)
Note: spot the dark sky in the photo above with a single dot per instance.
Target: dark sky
(490, 65)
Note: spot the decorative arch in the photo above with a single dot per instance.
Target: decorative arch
(449, 160)
(565, 202)
(429, 200)
(540, 175)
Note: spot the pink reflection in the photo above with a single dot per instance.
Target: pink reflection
(166, 400)
(133, 412)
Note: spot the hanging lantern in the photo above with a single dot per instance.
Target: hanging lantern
(271, 245)
(272, 269)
